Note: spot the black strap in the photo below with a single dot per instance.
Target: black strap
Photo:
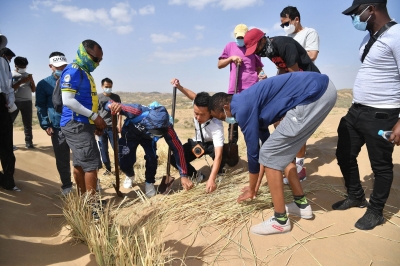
(374, 37)
(201, 131)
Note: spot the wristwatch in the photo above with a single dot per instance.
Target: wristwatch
(93, 116)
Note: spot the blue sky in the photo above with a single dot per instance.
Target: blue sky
(146, 43)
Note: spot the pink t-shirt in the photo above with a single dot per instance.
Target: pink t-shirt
(247, 72)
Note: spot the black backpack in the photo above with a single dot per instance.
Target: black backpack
(57, 98)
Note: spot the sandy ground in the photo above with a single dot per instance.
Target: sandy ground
(29, 236)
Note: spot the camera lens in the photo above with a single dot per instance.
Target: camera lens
(197, 150)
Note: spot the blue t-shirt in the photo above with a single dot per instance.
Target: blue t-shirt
(267, 101)
(75, 80)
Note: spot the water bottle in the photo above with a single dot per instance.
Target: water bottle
(262, 73)
(385, 134)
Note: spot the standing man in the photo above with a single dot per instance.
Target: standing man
(209, 133)
(7, 106)
(250, 67)
(49, 119)
(107, 135)
(308, 38)
(24, 86)
(79, 119)
(303, 99)
(376, 106)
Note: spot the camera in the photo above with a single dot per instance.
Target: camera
(198, 150)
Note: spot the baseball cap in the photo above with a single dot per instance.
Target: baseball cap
(240, 30)
(357, 3)
(3, 41)
(58, 60)
(251, 40)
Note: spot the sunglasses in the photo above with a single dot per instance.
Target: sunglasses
(94, 58)
(360, 10)
(286, 24)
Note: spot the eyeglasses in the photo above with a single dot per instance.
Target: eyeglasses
(286, 24)
(358, 13)
(94, 58)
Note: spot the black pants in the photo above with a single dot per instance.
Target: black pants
(189, 156)
(62, 154)
(360, 126)
(6, 146)
(25, 108)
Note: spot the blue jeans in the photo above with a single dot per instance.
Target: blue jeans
(127, 161)
(360, 126)
(103, 145)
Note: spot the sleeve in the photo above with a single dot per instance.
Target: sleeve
(258, 61)
(176, 146)
(218, 134)
(118, 99)
(225, 53)
(290, 54)
(41, 106)
(312, 41)
(70, 80)
(128, 110)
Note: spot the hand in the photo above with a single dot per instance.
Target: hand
(115, 108)
(210, 186)
(236, 59)
(118, 129)
(49, 131)
(247, 194)
(175, 83)
(395, 137)
(186, 183)
(262, 76)
(100, 125)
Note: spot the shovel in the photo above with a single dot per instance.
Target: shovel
(116, 161)
(167, 180)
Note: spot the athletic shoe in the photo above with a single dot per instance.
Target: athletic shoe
(350, 203)
(128, 181)
(66, 191)
(301, 175)
(369, 220)
(200, 177)
(150, 190)
(29, 145)
(270, 227)
(15, 188)
(15, 148)
(293, 209)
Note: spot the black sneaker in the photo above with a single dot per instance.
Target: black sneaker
(369, 220)
(349, 203)
(29, 145)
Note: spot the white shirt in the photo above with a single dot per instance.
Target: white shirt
(212, 131)
(378, 80)
(308, 38)
(5, 82)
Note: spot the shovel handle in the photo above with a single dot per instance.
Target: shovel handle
(116, 161)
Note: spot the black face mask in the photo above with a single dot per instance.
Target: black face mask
(267, 50)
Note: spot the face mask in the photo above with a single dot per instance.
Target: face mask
(359, 25)
(289, 29)
(229, 120)
(21, 70)
(84, 61)
(267, 50)
(240, 42)
(58, 73)
(108, 90)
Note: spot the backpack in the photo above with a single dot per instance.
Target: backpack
(57, 98)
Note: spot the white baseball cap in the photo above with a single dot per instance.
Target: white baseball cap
(58, 60)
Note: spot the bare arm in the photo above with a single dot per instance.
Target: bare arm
(188, 93)
(224, 62)
(294, 68)
(211, 185)
(313, 55)
(33, 86)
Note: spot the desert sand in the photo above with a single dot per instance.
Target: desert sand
(32, 231)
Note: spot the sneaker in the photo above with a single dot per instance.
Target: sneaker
(66, 191)
(128, 181)
(369, 220)
(349, 203)
(150, 190)
(200, 177)
(302, 176)
(15, 148)
(15, 188)
(293, 209)
(29, 146)
(270, 227)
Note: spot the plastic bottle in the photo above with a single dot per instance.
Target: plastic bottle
(385, 134)
(262, 73)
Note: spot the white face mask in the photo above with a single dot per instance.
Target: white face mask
(21, 70)
(289, 29)
(108, 90)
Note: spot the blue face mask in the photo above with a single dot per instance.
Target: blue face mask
(58, 73)
(229, 120)
(359, 25)
(240, 42)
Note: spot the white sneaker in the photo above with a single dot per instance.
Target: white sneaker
(128, 181)
(293, 209)
(16, 189)
(66, 191)
(270, 227)
(150, 190)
